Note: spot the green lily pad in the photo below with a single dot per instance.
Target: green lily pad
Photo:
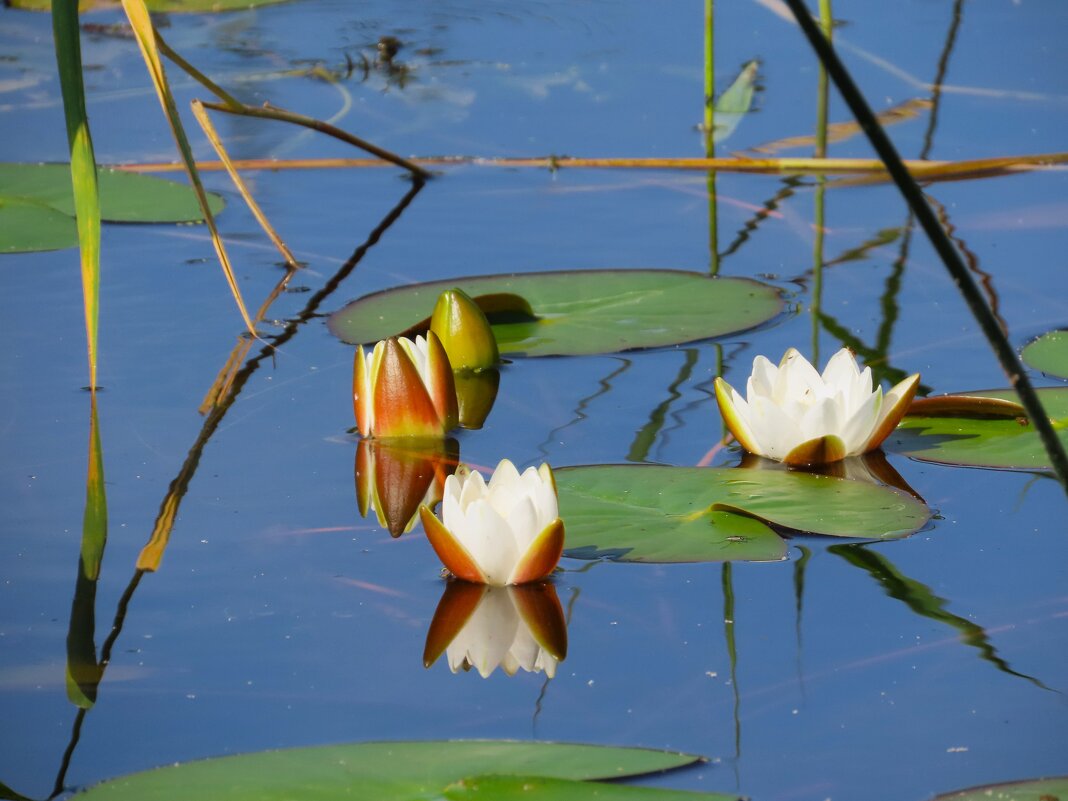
(26, 227)
(1049, 353)
(539, 788)
(654, 513)
(383, 771)
(170, 6)
(1031, 790)
(578, 312)
(37, 204)
(1007, 443)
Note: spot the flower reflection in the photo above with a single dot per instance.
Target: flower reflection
(394, 478)
(872, 467)
(485, 627)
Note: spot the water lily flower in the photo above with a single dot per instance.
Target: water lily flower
(795, 415)
(464, 331)
(507, 531)
(393, 478)
(485, 628)
(404, 388)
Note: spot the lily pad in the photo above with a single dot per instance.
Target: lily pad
(26, 227)
(539, 788)
(1030, 790)
(654, 513)
(170, 6)
(1049, 353)
(37, 204)
(578, 312)
(384, 771)
(1008, 442)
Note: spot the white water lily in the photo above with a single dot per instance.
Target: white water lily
(506, 531)
(796, 415)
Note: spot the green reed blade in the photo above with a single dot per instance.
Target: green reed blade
(82, 164)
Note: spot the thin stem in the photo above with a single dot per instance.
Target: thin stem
(1003, 349)
(270, 112)
(925, 170)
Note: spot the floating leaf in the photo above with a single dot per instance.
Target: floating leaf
(654, 513)
(26, 226)
(170, 6)
(124, 196)
(1031, 790)
(1049, 353)
(383, 771)
(539, 788)
(578, 312)
(1005, 442)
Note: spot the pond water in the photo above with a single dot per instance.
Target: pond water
(279, 617)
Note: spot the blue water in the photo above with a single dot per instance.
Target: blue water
(279, 617)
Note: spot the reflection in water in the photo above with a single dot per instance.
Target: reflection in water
(476, 391)
(394, 477)
(83, 670)
(921, 600)
(872, 467)
(485, 628)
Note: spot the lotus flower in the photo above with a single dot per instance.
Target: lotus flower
(464, 331)
(489, 627)
(404, 389)
(503, 532)
(393, 478)
(793, 414)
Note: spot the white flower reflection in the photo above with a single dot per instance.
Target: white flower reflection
(484, 628)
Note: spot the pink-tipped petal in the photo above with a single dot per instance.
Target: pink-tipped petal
(822, 450)
(440, 383)
(457, 604)
(542, 556)
(450, 550)
(733, 418)
(895, 404)
(402, 406)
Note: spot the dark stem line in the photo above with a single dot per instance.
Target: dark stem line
(958, 271)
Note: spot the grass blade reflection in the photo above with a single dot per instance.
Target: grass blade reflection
(921, 600)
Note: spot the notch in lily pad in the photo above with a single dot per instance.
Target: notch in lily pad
(657, 513)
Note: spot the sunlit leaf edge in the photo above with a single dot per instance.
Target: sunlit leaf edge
(1021, 790)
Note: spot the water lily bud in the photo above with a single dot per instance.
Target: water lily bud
(489, 627)
(404, 388)
(796, 415)
(395, 477)
(464, 330)
(506, 531)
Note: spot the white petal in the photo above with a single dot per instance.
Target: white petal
(841, 370)
(858, 428)
(762, 380)
(487, 538)
(779, 434)
(821, 419)
(522, 521)
(797, 382)
(474, 489)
